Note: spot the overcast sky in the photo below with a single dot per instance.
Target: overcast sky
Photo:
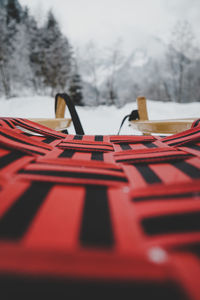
(106, 20)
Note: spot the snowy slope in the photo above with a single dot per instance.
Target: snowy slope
(96, 120)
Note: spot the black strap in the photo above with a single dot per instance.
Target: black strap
(96, 229)
(133, 116)
(74, 115)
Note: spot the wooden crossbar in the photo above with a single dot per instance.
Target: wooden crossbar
(59, 122)
(56, 124)
(169, 126)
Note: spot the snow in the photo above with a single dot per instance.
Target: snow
(96, 120)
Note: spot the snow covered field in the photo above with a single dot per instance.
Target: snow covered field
(96, 120)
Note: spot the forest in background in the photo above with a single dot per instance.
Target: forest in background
(39, 59)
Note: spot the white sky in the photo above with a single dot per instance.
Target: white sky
(106, 20)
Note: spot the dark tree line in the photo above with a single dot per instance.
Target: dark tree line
(34, 58)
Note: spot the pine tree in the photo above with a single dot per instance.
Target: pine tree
(19, 63)
(31, 56)
(13, 11)
(56, 56)
(4, 54)
(33, 42)
(13, 18)
(75, 90)
(3, 3)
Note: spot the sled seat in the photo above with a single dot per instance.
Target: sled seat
(98, 217)
(168, 126)
(60, 122)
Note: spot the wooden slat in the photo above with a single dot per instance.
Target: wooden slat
(163, 126)
(60, 122)
(169, 126)
(56, 124)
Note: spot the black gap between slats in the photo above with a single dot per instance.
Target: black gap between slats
(150, 145)
(74, 175)
(68, 153)
(98, 138)
(168, 196)
(194, 147)
(69, 288)
(33, 151)
(175, 223)
(196, 123)
(97, 156)
(15, 222)
(78, 137)
(193, 248)
(27, 134)
(21, 141)
(9, 124)
(187, 169)
(31, 128)
(96, 228)
(10, 158)
(125, 146)
(49, 140)
(148, 174)
(180, 137)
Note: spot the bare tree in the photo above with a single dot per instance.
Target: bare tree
(89, 62)
(115, 60)
(181, 52)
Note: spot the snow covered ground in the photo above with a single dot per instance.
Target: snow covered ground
(96, 120)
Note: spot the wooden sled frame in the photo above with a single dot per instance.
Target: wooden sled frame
(146, 126)
(60, 122)
(169, 126)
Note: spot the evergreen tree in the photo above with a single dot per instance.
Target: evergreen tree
(13, 11)
(30, 56)
(56, 56)
(13, 18)
(3, 3)
(19, 63)
(33, 44)
(37, 59)
(75, 90)
(4, 54)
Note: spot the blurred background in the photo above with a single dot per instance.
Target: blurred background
(101, 52)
